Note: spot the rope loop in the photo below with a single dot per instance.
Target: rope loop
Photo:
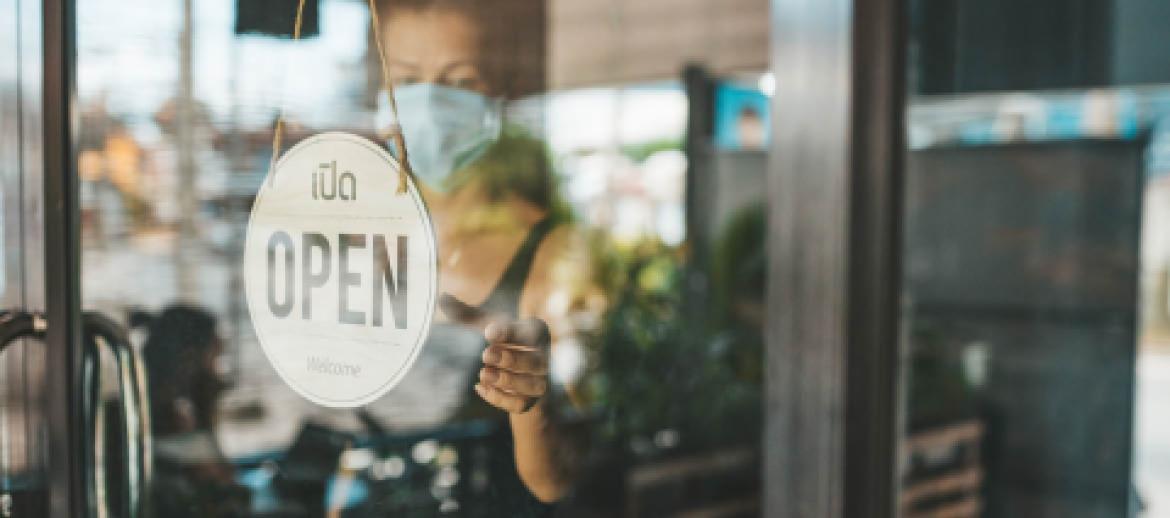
(393, 133)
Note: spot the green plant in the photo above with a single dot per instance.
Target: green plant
(656, 369)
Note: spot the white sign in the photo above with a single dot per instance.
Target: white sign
(340, 270)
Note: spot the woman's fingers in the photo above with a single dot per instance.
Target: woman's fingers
(515, 373)
(510, 403)
(519, 384)
(523, 361)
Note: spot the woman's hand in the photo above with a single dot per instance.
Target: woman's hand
(515, 372)
(514, 376)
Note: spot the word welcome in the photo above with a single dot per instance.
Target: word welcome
(327, 366)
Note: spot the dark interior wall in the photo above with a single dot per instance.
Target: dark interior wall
(1032, 250)
(992, 45)
(966, 46)
(1141, 52)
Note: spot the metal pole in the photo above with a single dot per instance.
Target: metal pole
(186, 265)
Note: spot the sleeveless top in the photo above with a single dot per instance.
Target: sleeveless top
(438, 395)
(505, 298)
(506, 494)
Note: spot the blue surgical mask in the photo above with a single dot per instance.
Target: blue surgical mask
(445, 129)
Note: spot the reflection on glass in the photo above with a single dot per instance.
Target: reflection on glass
(23, 434)
(565, 205)
(22, 429)
(1033, 276)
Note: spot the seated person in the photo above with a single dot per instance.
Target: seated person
(191, 477)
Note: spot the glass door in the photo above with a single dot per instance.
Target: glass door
(604, 211)
(24, 448)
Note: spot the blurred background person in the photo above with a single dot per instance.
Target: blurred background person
(182, 357)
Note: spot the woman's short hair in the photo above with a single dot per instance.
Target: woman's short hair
(514, 39)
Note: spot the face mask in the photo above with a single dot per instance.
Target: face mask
(445, 129)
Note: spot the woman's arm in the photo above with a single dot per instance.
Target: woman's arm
(515, 373)
(514, 379)
(537, 442)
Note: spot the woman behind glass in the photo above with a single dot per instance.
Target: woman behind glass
(507, 263)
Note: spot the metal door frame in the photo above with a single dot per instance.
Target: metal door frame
(66, 488)
(832, 397)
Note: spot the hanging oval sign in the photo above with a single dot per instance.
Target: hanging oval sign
(340, 271)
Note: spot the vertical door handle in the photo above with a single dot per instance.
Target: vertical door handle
(15, 325)
(135, 410)
(18, 324)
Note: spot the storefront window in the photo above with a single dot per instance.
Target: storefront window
(1034, 262)
(580, 200)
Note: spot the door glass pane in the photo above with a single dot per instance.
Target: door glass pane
(1035, 261)
(550, 140)
(23, 441)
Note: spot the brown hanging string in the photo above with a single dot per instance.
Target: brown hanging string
(394, 132)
